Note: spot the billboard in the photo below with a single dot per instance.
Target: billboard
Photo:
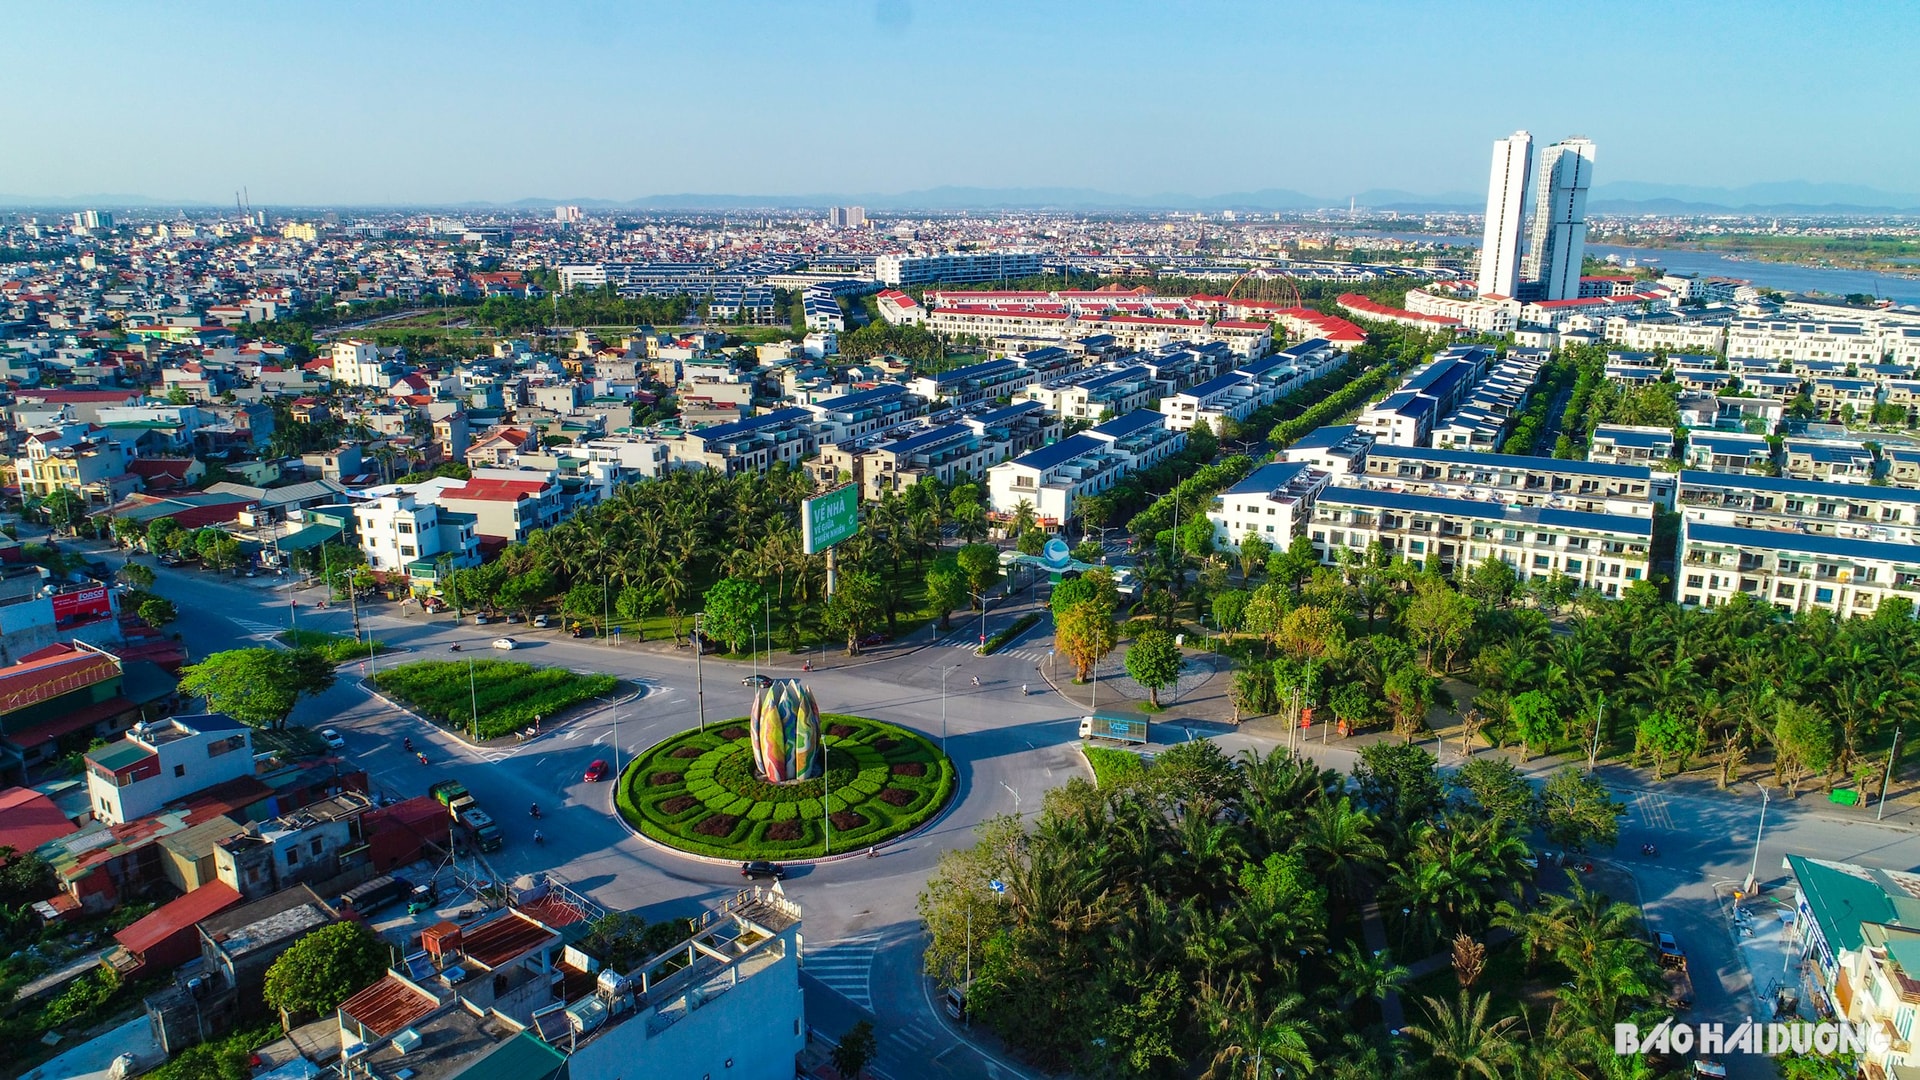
(90, 602)
(825, 520)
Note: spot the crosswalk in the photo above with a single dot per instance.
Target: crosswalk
(845, 967)
(904, 1050)
(1038, 656)
(253, 628)
(1652, 810)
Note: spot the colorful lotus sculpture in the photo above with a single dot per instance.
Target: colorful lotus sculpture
(785, 729)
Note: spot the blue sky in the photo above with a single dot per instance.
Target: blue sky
(347, 102)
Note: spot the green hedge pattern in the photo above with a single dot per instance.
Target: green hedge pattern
(870, 775)
(510, 694)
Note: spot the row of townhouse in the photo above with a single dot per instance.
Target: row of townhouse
(1490, 408)
(1251, 386)
(1845, 341)
(1476, 314)
(946, 447)
(1432, 391)
(1053, 478)
(1093, 393)
(1796, 458)
(1672, 331)
(1795, 571)
(1014, 328)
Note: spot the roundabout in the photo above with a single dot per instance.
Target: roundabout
(701, 792)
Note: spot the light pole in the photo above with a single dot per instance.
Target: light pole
(944, 671)
(699, 685)
(473, 695)
(981, 598)
(1753, 872)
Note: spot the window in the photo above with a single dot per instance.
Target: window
(1541, 562)
(293, 856)
(179, 770)
(314, 847)
(1693, 581)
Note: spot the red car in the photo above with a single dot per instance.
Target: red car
(597, 772)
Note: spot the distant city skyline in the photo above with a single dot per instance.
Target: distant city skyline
(368, 104)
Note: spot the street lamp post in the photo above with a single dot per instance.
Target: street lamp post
(1753, 872)
(699, 685)
(473, 694)
(981, 598)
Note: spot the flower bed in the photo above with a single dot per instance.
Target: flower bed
(881, 781)
(509, 694)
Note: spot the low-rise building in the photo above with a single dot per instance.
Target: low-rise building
(1794, 571)
(164, 760)
(1053, 478)
(1728, 452)
(1626, 444)
(1845, 510)
(1858, 934)
(752, 445)
(1273, 502)
(1606, 552)
(1516, 479)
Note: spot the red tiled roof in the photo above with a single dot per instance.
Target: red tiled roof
(30, 683)
(497, 490)
(170, 918)
(29, 819)
(1236, 324)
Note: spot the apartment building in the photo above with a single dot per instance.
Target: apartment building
(1253, 385)
(1829, 459)
(1627, 444)
(165, 760)
(358, 363)
(399, 530)
(975, 382)
(1804, 339)
(898, 458)
(750, 445)
(1479, 314)
(1606, 552)
(1728, 452)
(1273, 502)
(896, 269)
(862, 413)
(899, 309)
(1054, 477)
(506, 504)
(1794, 571)
(1552, 483)
(1340, 449)
(1667, 330)
(1488, 411)
(1363, 307)
(1092, 393)
(1854, 928)
(74, 459)
(1850, 511)
(1434, 390)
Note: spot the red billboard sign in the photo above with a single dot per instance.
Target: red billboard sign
(82, 603)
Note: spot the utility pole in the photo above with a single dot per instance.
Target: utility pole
(1753, 872)
(699, 686)
(1593, 748)
(474, 697)
(1892, 756)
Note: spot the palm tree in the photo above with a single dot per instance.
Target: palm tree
(1339, 845)
(1364, 976)
(1459, 1035)
(1248, 1040)
(1024, 517)
(1539, 929)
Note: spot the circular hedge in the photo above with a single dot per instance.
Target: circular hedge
(697, 791)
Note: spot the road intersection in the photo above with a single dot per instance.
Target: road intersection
(1009, 748)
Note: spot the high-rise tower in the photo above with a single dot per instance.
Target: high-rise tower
(1506, 201)
(1558, 242)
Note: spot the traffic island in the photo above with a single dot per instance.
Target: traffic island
(703, 793)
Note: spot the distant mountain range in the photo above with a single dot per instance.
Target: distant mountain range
(1623, 197)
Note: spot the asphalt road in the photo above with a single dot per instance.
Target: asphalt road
(861, 928)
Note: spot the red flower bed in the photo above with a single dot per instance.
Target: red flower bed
(894, 796)
(885, 744)
(678, 804)
(841, 731)
(717, 825)
(911, 768)
(847, 821)
(663, 779)
(783, 830)
(734, 733)
(688, 752)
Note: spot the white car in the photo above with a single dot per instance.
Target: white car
(505, 643)
(334, 741)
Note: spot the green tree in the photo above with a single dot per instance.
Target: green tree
(856, 607)
(1803, 743)
(1031, 542)
(156, 611)
(1438, 621)
(138, 575)
(163, 535)
(1492, 583)
(1496, 788)
(733, 611)
(1202, 444)
(1461, 1038)
(323, 969)
(1668, 740)
(257, 686)
(1398, 783)
(1536, 720)
(981, 565)
(1254, 550)
(1085, 633)
(1579, 812)
(1154, 661)
(856, 1049)
(946, 590)
(1229, 609)
(1196, 537)
(24, 877)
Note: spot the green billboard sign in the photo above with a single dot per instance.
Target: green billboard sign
(825, 520)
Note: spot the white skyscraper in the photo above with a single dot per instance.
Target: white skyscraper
(1506, 202)
(1559, 233)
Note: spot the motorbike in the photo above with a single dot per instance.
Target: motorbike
(1649, 850)
(534, 811)
(422, 757)
(537, 838)
(455, 647)
(407, 743)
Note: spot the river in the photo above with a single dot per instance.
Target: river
(1785, 277)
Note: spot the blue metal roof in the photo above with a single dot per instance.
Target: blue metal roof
(1214, 385)
(752, 424)
(1799, 542)
(1122, 426)
(927, 438)
(1786, 486)
(1311, 345)
(1268, 478)
(1513, 461)
(1490, 511)
(862, 397)
(1644, 439)
(1063, 451)
(974, 371)
(1323, 437)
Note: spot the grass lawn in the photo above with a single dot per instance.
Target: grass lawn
(697, 791)
(1113, 766)
(339, 648)
(509, 694)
